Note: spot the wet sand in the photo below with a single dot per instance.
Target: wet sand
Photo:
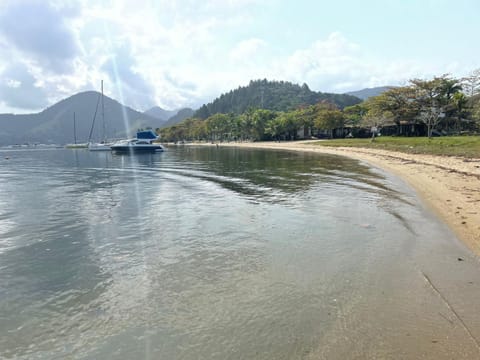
(450, 186)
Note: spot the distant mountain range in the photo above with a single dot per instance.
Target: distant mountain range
(55, 124)
(169, 117)
(364, 94)
(181, 115)
(161, 114)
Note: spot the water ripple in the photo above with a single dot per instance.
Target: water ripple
(213, 253)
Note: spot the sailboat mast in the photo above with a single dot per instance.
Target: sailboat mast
(103, 115)
(74, 129)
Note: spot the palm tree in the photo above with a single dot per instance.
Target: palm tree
(459, 102)
(450, 87)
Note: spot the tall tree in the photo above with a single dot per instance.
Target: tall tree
(275, 127)
(354, 114)
(218, 126)
(433, 98)
(396, 104)
(290, 124)
(471, 83)
(459, 101)
(259, 119)
(203, 112)
(328, 117)
(306, 118)
(476, 114)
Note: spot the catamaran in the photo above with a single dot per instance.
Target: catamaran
(144, 142)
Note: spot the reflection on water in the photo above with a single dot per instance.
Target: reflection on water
(224, 253)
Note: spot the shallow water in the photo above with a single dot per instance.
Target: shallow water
(206, 253)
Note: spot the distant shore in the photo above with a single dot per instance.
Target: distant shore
(449, 185)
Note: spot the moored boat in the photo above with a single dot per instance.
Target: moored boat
(104, 145)
(144, 142)
(99, 147)
(76, 146)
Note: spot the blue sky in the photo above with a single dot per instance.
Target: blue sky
(184, 53)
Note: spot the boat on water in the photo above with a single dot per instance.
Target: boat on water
(104, 145)
(143, 143)
(75, 145)
(99, 147)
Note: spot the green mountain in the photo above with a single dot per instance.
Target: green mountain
(159, 113)
(181, 115)
(271, 95)
(364, 94)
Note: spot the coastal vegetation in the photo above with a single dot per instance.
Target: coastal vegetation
(267, 110)
(464, 146)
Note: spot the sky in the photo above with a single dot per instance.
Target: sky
(185, 53)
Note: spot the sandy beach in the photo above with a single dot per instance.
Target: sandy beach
(450, 186)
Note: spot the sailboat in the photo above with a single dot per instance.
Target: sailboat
(75, 145)
(102, 146)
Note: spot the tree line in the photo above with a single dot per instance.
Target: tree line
(442, 103)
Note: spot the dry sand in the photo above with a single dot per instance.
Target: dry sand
(449, 185)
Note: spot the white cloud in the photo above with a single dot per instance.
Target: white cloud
(325, 63)
(176, 53)
(40, 32)
(12, 83)
(336, 64)
(19, 88)
(247, 52)
(131, 87)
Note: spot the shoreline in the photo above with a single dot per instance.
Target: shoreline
(449, 186)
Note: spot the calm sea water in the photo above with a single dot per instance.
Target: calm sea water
(206, 253)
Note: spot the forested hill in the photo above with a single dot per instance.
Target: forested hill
(364, 94)
(271, 95)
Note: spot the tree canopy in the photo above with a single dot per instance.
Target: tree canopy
(280, 110)
(271, 95)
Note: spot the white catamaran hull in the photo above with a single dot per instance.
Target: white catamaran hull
(131, 147)
(99, 147)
